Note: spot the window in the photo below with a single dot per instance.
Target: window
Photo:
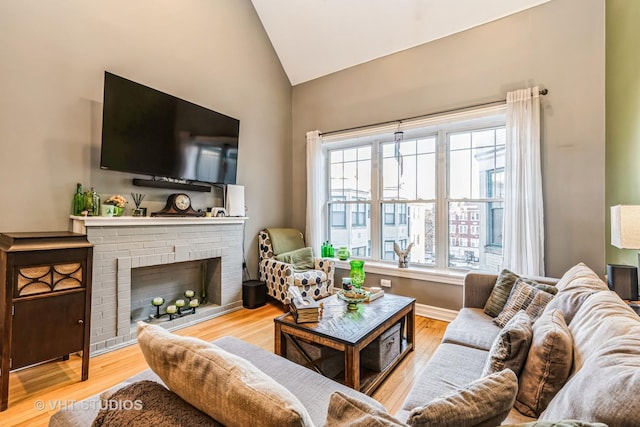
(439, 186)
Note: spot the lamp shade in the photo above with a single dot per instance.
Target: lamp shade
(625, 226)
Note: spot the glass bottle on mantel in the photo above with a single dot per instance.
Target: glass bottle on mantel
(96, 202)
(92, 202)
(78, 201)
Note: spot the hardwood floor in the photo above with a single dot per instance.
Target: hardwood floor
(55, 384)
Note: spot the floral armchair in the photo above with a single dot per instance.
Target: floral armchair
(279, 276)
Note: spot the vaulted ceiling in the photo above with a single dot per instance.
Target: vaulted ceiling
(314, 38)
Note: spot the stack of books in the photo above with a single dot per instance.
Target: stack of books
(305, 310)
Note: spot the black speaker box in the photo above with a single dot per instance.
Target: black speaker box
(624, 280)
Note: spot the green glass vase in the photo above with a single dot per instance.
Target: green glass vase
(357, 272)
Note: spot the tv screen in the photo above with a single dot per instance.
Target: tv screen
(153, 133)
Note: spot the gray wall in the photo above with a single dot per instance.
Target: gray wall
(558, 45)
(212, 53)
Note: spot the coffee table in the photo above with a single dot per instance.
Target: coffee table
(350, 331)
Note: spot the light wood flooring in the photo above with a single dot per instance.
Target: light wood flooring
(55, 383)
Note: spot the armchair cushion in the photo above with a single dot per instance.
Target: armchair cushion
(302, 259)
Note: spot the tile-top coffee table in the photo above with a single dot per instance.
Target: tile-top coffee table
(350, 331)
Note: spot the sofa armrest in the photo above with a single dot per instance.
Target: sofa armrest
(327, 265)
(477, 288)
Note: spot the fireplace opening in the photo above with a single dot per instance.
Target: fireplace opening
(170, 281)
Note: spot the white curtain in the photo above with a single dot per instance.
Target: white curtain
(523, 221)
(315, 192)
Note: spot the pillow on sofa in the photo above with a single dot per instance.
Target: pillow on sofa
(569, 303)
(226, 387)
(510, 348)
(349, 411)
(302, 259)
(581, 276)
(524, 297)
(485, 402)
(500, 292)
(147, 403)
(548, 364)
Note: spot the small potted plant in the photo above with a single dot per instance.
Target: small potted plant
(118, 202)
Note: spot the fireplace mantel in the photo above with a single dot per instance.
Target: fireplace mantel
(80, 223)
(122, 244)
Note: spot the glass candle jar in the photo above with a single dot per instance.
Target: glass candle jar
(357, 272)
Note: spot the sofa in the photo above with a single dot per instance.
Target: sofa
(602, 385)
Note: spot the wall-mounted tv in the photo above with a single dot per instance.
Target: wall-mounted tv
(150, 132)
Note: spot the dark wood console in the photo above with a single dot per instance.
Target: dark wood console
(45, 300)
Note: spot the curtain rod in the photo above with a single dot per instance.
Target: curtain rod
(388, 122)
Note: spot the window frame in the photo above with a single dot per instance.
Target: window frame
(440, 128)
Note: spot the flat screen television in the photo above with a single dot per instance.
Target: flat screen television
(149, 132)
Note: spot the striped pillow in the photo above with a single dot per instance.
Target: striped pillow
(524, 297)
(500, 293)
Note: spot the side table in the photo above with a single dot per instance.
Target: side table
(45, 300)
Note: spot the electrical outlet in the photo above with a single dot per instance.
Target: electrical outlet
(385, 283)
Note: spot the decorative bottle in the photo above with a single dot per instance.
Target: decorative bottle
(88, 203)
(96, 202)
(78, 201)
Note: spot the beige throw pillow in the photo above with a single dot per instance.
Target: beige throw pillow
(548, 364)
(349, 411)
(523, 297)
(226, 387)
(485, 402)
(510, 348)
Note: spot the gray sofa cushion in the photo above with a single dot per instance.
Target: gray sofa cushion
(472, 328)
(485, 402)
(443, 373)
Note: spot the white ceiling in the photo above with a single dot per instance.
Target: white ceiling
(314, 38)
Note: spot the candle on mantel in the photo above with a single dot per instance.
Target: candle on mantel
(180, 303)
(189, 293)
(194, 303)
(171, 309)
(157, 301)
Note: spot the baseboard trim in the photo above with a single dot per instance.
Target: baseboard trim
(436, 313)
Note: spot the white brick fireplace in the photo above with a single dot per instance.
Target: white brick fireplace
(126, 244)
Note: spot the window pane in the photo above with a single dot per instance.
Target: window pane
(407, 175)
(354, 234)
(350, 175)
(413, 222)
(475, 235)
(459, 174)
(460, 141)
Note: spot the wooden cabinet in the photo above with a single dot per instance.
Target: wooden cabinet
(45, 300)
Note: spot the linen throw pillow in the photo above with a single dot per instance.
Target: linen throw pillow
(510, 348)
(147, 403)
(302, 259)
(500, 292)
(226, 387)
(485, 402)
(523, 297)
(548, 364)
(349, 411)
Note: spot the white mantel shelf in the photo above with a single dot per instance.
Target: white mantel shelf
(80, 223)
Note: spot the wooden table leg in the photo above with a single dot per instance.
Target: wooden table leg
(279, 342)
(4, 386)
(411, 327)
(352, 367)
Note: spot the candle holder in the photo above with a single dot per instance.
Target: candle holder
(178, 309)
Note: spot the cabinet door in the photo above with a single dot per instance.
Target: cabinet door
(47, 328)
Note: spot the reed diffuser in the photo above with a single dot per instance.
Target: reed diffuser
(137, 199)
